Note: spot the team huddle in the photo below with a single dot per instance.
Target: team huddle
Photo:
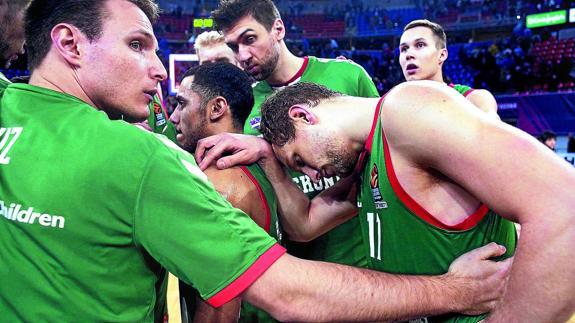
(281, 188)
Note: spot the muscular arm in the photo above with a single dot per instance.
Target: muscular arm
(509, 171)
(239, 190)
(298, 290)
(485, 101)
(232, 184)
(304, 219)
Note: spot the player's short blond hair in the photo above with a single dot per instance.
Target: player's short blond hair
(208, 39)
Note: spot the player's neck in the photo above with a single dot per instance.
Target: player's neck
(438, 77)
(56, 78)
(353, 115)
(223, 126)
(288, 66)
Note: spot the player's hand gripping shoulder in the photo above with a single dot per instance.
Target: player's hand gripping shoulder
(229, 149)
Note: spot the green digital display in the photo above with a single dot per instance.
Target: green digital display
(546, 19)
(203, 22)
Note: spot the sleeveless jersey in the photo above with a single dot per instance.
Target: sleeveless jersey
(250, 313)
(85, 220)
(343, 243)
(402, 237)
(463, 89)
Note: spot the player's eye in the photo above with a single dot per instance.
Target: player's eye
(250, 40)
(136, 45)
(298, 162)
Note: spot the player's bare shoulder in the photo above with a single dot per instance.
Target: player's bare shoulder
(235, 185)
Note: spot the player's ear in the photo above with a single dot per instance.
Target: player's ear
(217, 108)
(443, 54)
(302, 113)
(278, 29)
(68, 41)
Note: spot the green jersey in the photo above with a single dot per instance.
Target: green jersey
(342, 244)
(158, 120)
(402, 237)
(463, 89)
(87, 229)
(249, 313)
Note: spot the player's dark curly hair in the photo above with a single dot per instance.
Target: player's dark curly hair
(86, 15)
(230, 11)
(225, 80)
(276, 125)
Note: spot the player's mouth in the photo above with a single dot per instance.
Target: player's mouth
(179, 134)
(150, 95)
(251, 69)
(411, 69)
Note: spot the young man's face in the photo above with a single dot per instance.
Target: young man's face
(318, 151)
(418, 55)
(255, 47)
(189, 117)
(219, 52)
(11, 35)
(120, 70)
(551, 143)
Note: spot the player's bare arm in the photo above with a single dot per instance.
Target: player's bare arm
(233, 184)
(485, 101)
(299, 290)
(226, 313)
(302, 219)
(467, 147)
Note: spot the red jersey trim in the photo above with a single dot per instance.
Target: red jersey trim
(369, 140)
(262, 196)
(417, 209)
(451, 85)
(248, 277)
(468, 92)
(297, 75)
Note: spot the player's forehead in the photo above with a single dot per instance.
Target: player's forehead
(245, 25)
(415, 34)
(215, 51)
(124, 18)
(185, 88)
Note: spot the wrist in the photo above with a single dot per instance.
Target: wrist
(453, 296)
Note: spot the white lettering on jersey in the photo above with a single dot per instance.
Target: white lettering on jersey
(9, 137)
(18, 213)
(306, 185)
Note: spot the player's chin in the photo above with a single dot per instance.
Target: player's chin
(141, 112)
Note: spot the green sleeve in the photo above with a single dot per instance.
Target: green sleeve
(366, 88)
(193, 231)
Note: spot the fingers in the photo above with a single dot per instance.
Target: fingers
(204, 145)
(488, 251)
(214, 153)
(242, 157)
